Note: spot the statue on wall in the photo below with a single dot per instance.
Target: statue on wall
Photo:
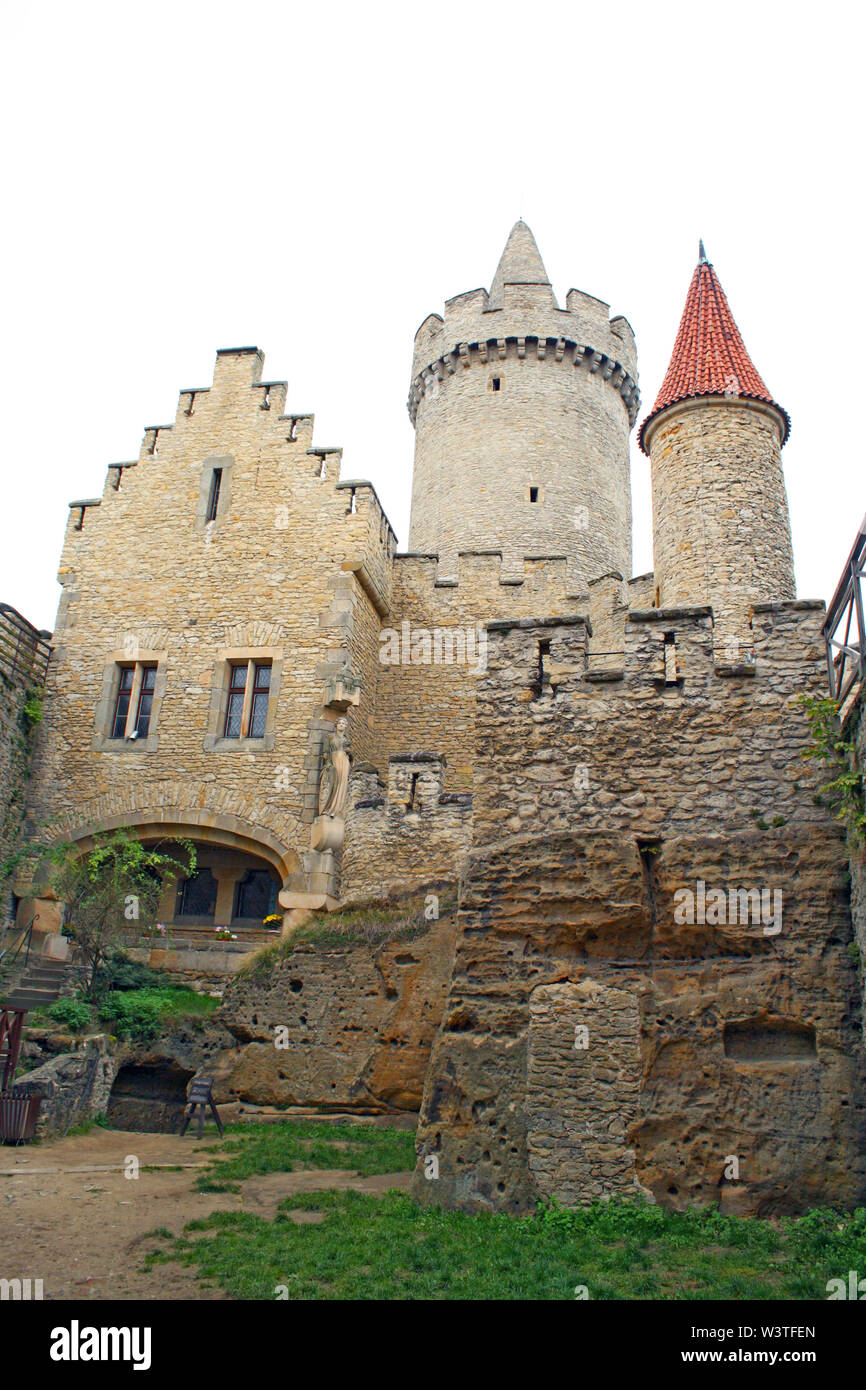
(334, 777)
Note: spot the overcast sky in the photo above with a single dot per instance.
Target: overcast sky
(315, 179)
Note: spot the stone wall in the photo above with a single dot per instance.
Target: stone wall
(407, 833)
(598, 804)
(855, 731)
(582, 1102)
(23, 655)
(294, 570)
(430, 703)
(14, 764)
(359, 1019)
(721, 530)
(512, 393)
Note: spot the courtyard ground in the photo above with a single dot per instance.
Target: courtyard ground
(70, 1217)
(318, 1208)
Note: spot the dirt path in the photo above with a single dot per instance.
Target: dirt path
(70, 1217)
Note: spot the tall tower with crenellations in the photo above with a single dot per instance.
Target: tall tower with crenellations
(522, 412)
(721, 529)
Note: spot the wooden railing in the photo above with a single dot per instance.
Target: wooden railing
(844, 629)
(11, 1024)
(24, 650)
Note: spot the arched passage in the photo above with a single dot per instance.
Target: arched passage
(240, 867)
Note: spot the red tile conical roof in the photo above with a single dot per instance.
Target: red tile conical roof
(709, 356)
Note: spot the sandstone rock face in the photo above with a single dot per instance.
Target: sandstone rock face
(74, 1086)
(359, 1024)
(150, 1088)
(723, 1061)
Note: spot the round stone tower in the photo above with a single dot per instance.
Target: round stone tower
(721, 530)
(522, 413)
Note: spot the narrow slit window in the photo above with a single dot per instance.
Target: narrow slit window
(542, 674)
(670, 653)
(214, 495)
(496, 383)
(533, 494)
(121, 703)
(235, 702)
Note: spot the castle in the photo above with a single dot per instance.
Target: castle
(243, 657)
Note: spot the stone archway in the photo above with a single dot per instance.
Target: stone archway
(233, 841)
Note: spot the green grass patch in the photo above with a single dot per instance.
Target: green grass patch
(141, 1013)
(390, 1248)
(286, 1146)
(371, 924)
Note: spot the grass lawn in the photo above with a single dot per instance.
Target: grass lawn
(372, 1247)
(282, 1148)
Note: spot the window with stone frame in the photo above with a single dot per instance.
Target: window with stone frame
(133, 700)
(196, 896)
(213, 500)
(247, 698)
(256, 895)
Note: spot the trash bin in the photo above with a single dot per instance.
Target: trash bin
(19, 1111)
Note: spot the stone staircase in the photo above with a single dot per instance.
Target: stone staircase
(40, 983)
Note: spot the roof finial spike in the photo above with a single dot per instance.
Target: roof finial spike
(702, 255)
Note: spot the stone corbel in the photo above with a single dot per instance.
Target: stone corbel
(342, 691)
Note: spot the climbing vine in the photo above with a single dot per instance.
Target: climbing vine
(32, 709)
(844, 793)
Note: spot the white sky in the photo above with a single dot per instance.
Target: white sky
(316, 179)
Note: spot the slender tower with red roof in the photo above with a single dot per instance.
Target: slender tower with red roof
(721, 530)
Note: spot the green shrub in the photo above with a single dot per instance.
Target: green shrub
(121, 973)
(132, 1014)
(141, 1013)
(32, 709)
(72, 1013)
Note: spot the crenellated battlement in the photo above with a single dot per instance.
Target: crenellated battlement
(667, 648)
(487, 579)
(522, 412)
(473, 316)
(404, 831)
(677, 732)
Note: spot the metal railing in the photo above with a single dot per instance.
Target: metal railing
(24, 650)
(8, 957)
(844, 629)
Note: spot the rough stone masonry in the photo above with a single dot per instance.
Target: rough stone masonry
(652, 989)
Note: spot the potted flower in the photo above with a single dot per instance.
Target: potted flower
(273, 921)
(223, 934)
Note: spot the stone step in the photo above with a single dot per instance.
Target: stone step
(30, 998)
